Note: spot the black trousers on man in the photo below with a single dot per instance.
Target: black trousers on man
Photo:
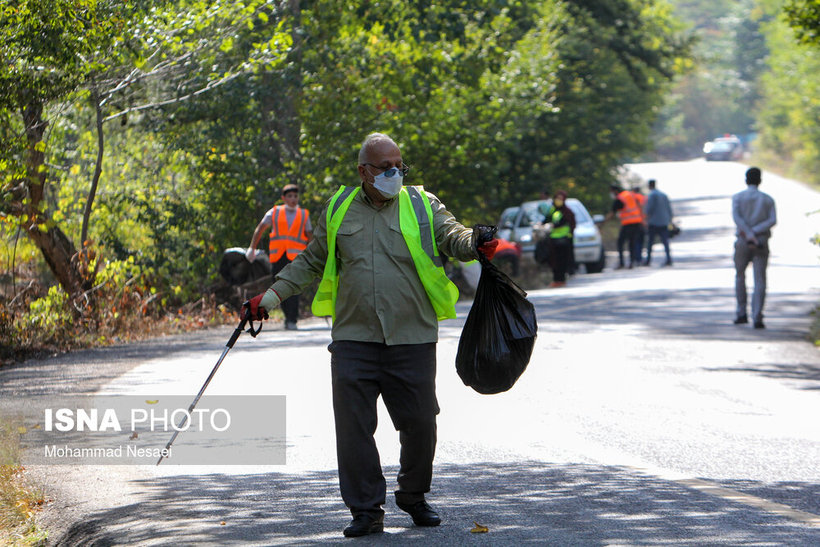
(405, 377)
(290, 306)
(633, 235)
(560, 257)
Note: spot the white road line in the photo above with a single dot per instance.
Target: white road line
(753, 501)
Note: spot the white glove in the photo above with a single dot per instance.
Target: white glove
(250, 254)
(270, 300)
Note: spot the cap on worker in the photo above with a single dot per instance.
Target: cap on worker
(290, 188)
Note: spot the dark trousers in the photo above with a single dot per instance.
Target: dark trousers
(759, 257)
(633, 235)
(405, 377)
(560, 257)
(663, 233)
(290, 306)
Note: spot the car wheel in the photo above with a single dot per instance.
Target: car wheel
(598, 265)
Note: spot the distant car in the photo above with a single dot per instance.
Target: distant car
(516, 225)
(727, 148)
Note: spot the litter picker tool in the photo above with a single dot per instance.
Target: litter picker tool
(246, 319)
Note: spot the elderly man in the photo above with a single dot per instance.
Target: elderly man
(754, 215)
(378, 248)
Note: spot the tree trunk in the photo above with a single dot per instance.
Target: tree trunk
(58, 250)
(92, 192)
(279, 109)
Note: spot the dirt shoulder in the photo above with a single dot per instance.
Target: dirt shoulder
(75, 491)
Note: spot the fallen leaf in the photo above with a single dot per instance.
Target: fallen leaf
(152, 401)
(222, 523)
(22, 430)
(479, 529)
(133, 436)
(36, 426)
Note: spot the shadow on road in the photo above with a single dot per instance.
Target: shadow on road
(803, 372)
(85, 371)
(527, 502)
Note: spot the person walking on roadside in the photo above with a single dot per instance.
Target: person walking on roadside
(290, 232)
(562, 220)
(754, 215)
(636, 191)
(378, 250)
(628, 209)
(658, 212)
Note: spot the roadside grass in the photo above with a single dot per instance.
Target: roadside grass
(19, 499)
(38, 319)
(814, 329)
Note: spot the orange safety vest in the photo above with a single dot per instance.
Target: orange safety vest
(631, 212)
(287, 239)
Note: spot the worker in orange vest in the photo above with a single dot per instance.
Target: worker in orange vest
(290, 231)
(636, 190)
(629, 211)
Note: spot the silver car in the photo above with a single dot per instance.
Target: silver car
(519, 225)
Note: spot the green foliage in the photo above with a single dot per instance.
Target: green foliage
(210, 108)
(804, 17)
(790, 134)
(49, 316)
(720, 92)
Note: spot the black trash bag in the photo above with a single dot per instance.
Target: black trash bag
(236, 270)
(499, 333)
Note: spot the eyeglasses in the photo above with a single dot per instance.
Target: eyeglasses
(391, 172)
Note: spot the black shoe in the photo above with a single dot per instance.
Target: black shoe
(759, 325)
(667, 263)
(741, 320)
(422, 513)
(291, 325)
(364, 524)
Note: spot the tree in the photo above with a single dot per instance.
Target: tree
(64, 50)
(804, 18)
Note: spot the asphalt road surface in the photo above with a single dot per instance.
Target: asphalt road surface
(644, 417)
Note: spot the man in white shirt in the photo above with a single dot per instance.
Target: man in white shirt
(754, 215)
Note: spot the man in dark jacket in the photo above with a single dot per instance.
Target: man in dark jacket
(658, 213)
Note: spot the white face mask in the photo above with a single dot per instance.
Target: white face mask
(388, 186)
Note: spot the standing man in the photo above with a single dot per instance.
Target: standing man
(290, 231)
(658, 217)
(754, 215)
(378, 249)
(562, 220)
(628, 209)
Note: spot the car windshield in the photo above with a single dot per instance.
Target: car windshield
(508, 217)
(721, 146)
(534, 212)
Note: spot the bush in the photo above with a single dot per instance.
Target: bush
(124, 304)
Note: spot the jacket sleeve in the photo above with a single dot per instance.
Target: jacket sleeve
(452, 238)
(743, 229)
(770, 220)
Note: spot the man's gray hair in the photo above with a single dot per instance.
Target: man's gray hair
(371, 140)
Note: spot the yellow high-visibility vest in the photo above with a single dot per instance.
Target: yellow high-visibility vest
(416, 222)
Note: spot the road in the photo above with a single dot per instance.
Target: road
(644, 417)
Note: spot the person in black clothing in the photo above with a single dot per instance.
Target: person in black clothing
(560, 238)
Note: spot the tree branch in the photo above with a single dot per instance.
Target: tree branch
(210, 86)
